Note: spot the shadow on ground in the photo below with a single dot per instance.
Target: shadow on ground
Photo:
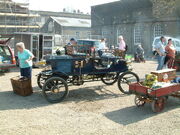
(92, 94)
(134, 114)
(5, 71)
(9, 100)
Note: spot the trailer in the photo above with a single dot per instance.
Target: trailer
(157, 97)
(40, 44)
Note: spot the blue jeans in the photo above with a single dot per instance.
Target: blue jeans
(160, 60)
(26, 72)
(100, 53)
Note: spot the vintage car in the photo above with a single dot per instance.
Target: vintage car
(70, 70)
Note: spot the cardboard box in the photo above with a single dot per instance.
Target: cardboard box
(161, 73)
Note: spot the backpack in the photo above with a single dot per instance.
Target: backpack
(155, 53)
(126, 48)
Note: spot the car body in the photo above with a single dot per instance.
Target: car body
(68, 70)
(7, 59)
(176, 42)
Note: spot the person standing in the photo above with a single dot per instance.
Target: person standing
(160, 49)
(25, 60)
(71, 47)
(122, 46)
(73, 41)
(171, 52)
(101, 47)
(140, 54)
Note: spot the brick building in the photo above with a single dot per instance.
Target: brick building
(139, 21)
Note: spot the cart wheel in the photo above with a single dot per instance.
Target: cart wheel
(110, 78)
(41, 79)
(139, 101)
(158, 105)
(55, 89)
(125, 79)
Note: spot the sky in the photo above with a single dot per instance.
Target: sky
(58, 5)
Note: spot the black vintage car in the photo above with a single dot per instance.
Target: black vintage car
(76, 69)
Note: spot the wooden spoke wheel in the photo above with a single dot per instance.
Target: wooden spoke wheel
(55, 89)
(139, 101)
(158, 104)
(125, 79)
(41, 79)
(110, 78)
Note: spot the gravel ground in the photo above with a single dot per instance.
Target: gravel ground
(91, 109)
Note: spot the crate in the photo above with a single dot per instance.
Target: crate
(160, 74)
(21, 87)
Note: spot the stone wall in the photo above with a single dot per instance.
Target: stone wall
(163, 8)
(118, 22)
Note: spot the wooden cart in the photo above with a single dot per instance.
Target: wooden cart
(157, 97)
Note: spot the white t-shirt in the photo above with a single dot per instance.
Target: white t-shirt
(160, 47)
(102, 46)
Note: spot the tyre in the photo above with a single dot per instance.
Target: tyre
(139, 101)
(158, 104)
(42, 78)
(125, 79)
(40, 81)
(55, 90)
(110, 78)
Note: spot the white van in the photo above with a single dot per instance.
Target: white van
(176, 42)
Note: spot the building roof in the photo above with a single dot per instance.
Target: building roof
(72, 22)
(61, 14)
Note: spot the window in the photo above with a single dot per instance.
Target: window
(177, 44)
(137, 35)
(5, 53)
(89, 34)
(156, 41)
(158, 30)
(58, 40)
(50, 27)
(104, 33)
(77, 34)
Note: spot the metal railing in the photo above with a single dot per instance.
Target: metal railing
(17, 22)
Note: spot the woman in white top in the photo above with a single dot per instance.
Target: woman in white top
(101, 47)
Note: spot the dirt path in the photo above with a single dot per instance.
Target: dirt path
(91, 109)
